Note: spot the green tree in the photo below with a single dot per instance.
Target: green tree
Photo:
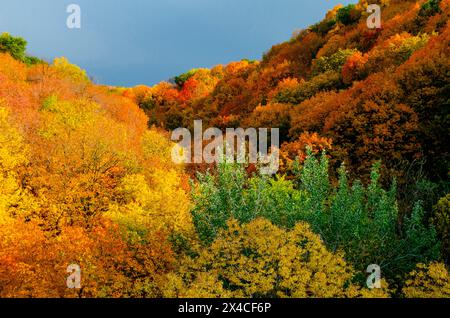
(348, 14)
(360, 220)
(16, 46)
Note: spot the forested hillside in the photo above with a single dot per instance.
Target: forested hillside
(87, 178)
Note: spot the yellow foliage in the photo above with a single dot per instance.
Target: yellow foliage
(206, 285)
(71, 71)
(441, 221)
(261, 260)
(81, 153)
(157, 151)
(428, 281)
(13, 153)
(159, 205)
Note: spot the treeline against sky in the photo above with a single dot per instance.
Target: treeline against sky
(86, 175)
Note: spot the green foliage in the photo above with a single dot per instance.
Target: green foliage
(32, 60)
(348, 14)
(430, 8)
(217, 198)
(361, 221)
(16, 46)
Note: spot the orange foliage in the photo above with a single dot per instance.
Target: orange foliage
(297, 149)
(33, 264)
(353, 67)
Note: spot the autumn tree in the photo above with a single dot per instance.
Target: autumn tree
(428, 281)
(16, 46)
(259, 259)
(441, 220)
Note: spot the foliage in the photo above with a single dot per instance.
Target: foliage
(84, 180)
(304, 90)
(160, 206)
(430, 8)
(360, 220)
(183, 78)
(71, 154)
(70, 71)
(441, 220)
(428, 281)
(332, 63)
(13, 154)
(259, 259)
(16, 46)
(347, 81)
(34, 265)
(348, 14)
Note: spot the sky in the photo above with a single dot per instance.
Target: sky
(131, 42)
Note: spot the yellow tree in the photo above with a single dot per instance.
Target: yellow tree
(157, 205)
(13, 154)
(428, 281)
(261, 260)
(78, 159)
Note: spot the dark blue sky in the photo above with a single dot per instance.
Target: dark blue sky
(130, 42)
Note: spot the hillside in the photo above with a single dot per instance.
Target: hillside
(376, 94)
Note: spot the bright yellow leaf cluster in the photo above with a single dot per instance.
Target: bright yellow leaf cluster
(428, 281)
(260, 259)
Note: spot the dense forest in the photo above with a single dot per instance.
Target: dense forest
(87, 178)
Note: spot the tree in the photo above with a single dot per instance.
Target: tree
(271, 115)
(441, 220)
(158, 205)
(70, 71)
(361, 221)
(353, 69)
(180, 80)
(332, 63)
(79, 156)
(348, 14)
(424, 85)
(34, 264)
(14, 200)
(296, 150)
(304, 90)
(259, 259)
(428, 281)
(16, 46)
(430, 8)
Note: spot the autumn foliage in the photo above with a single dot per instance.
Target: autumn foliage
(87, 178)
